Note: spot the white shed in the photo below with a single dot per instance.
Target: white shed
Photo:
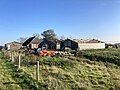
(90, 44)
(85, 46)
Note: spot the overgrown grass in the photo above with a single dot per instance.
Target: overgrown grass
(13, 78)
(83, 75)
(6, 80)
(23, 79)
(50, 61)
(72, 73)
(1, 55)
(57, 61)
(106, 55)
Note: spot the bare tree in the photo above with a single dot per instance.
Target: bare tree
(22, 39)
(62, 37)
(37, 35)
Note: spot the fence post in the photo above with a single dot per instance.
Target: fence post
(19, 59)
(12, 57)
(37, 71)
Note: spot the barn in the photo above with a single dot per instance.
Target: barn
(90, 44)
(68, 43)
(32, 42)
(13, 46)
(47, 44)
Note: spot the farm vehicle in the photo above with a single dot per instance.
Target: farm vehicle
(44, 52)
(52, 53)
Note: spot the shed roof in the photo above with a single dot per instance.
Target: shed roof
(88, 41)
(31, 40)
(46, 42)
(69, 43)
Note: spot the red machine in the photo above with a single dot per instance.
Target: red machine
(47, 53)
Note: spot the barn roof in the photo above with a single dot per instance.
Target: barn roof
(35, 41)
(50, 44)
(31, 40)
(88, 41)
(47, 42)
(69, 43)
(69, 40)
(94, 41)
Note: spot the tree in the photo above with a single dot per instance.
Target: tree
(22, 39)
(62, 37)
(37, 35)
(70, 37)
(49, 34)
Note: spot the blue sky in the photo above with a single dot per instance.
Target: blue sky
(98, 19)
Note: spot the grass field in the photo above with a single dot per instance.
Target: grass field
(7, 82)
(60, 73)
(106, 55)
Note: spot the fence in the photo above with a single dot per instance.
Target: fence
(11, 66)
(20, 61)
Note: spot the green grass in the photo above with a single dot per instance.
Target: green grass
(82, 75)
(106, 55)
(16, 79)
(6, 80)
(60, 73)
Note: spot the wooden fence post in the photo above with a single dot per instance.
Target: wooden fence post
(37, 71)
(12, 57)
(19, 59)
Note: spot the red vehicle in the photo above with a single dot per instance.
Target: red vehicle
(47, 53)
(44, 52)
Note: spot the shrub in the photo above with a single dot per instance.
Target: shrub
(1, 55)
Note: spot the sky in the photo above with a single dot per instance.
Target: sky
(84, 19)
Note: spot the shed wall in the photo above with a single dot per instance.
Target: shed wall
(85, 46)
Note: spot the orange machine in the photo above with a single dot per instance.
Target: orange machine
(47, 53)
